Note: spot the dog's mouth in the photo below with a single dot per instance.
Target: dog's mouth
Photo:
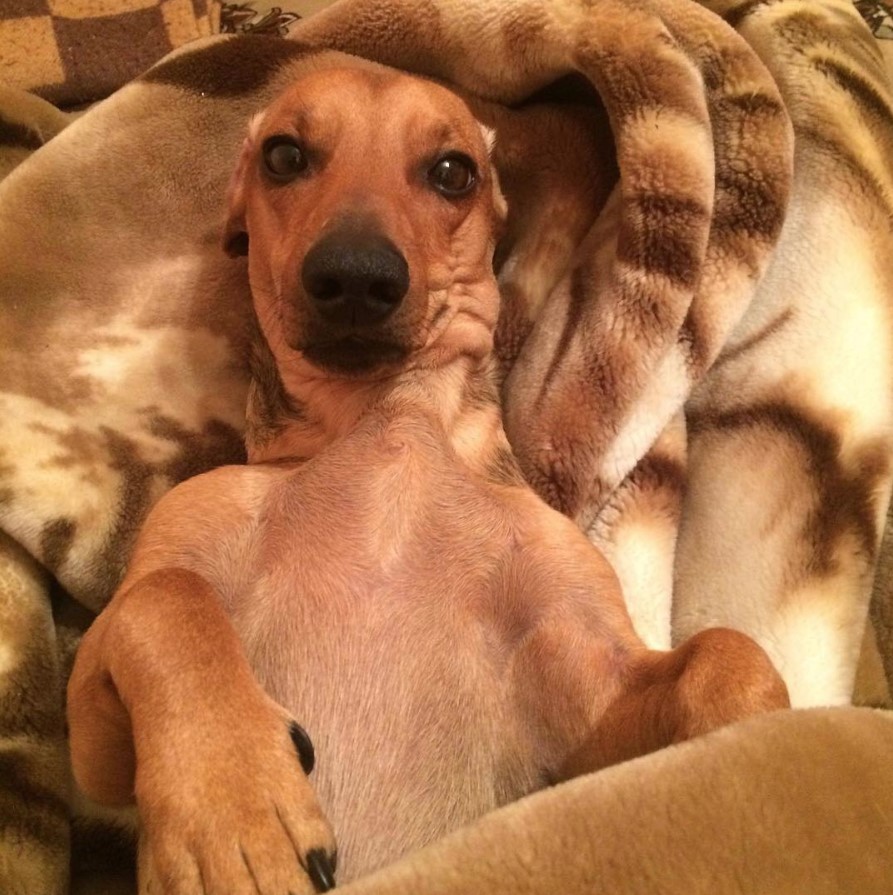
(353, 355)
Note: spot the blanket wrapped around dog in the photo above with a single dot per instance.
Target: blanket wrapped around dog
(674, 203)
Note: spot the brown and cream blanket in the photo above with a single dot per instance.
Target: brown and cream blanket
(688, 185)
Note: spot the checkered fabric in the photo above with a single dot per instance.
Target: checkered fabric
(72, 52)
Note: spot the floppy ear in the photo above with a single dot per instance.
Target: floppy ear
(235, 232)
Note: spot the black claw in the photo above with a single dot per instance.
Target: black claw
(319, 869)
(304, 746)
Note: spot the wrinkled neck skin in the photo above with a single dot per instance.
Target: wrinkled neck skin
(296, 410)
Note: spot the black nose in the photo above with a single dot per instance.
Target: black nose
(355, 278)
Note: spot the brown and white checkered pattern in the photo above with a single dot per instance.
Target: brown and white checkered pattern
(77, 51)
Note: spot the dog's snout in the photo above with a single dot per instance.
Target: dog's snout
(355, 279)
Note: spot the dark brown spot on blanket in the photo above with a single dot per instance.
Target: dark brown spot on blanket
(7, 474)
(714, 69)
(656, 485)
(215, 444)
(23, 8)
(859, 88)
(12, 133)
(737, 14)
(55, 542)
(750, 196)
(102, 845)
(33, 700)
(101, 52)
(512, 328)
(694, 339)
(80, 450)
(745, 203)
(580, 290)
(754, 103)
(30, 809)
(663, 237)
(231, 67)
(776, 325)
(816, 26)
(134, 500)
(840, 155)
(847, 492)
(658, 472)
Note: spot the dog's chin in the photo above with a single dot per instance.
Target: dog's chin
(353, 356)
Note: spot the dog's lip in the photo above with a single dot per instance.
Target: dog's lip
(353, 354)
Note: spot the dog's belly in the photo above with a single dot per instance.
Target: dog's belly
(375, 641)
(413, 736)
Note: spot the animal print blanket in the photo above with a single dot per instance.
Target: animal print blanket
(695, 339)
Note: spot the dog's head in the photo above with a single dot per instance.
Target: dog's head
(366, 202)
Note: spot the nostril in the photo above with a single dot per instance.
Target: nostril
(326, 289)
(387, 291)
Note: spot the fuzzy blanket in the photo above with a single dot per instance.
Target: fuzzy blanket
(667, 191)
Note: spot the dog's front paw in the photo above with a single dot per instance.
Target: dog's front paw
(227, 809)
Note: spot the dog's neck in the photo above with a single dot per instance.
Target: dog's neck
(295, 416)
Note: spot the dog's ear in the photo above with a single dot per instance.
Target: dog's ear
(500, 206)
(235, 231)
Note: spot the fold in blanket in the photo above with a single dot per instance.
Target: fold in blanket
(747, 809)
(698, 259)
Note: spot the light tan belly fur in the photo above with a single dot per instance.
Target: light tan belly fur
(365, 620)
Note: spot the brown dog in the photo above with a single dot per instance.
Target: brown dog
(379, 570)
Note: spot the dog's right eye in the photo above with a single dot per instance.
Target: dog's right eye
(283, 158)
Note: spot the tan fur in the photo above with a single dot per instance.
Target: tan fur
(124, 335)
(450, 642)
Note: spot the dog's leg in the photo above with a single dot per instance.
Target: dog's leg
(163, 706)
(779, 537)
(716, 678)
(593, 691)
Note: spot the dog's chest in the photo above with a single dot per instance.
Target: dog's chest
(363, 618)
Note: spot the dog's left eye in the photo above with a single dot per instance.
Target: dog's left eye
(453, 175)
(283, 158)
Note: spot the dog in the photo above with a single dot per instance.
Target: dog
(378, 585)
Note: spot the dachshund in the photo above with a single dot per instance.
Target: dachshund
(378, 576)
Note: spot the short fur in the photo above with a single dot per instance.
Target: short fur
(379, 570)
(123, 339)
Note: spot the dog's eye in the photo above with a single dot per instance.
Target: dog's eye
(283, 158)
(453, 175)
